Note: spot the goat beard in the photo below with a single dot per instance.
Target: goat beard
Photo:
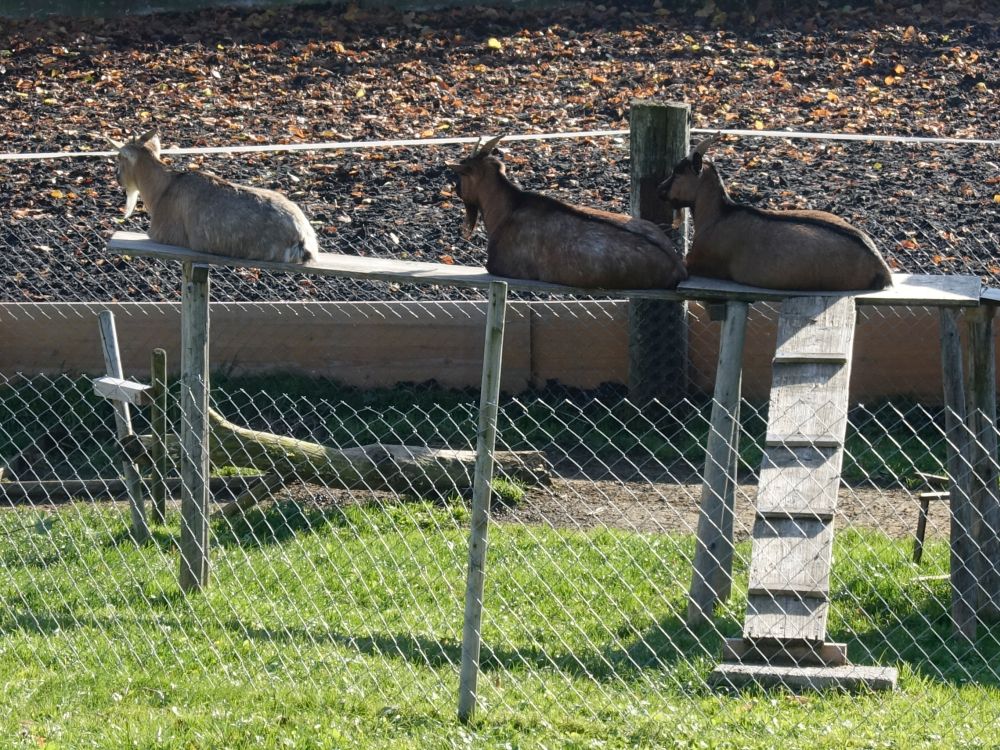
(471, 219)
(131, 199)
(678, 218)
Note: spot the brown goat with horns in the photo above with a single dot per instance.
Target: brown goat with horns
(532, 236)
(801, 250)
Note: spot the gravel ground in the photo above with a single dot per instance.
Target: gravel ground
(245, 77)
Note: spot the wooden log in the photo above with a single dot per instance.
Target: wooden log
(713, 561)
(964, 578)
(158, 449)
(479, 526)
(123, 424)
(658, 334)
(982, 415)
(194, 428)
(405, 469)
(66, 490)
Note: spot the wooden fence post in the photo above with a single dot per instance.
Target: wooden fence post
(982, 417)
(713, 558)
(123, 422)
(158, 449)
(658, 330)
(964, 578)
(194, 428)
(481, 494)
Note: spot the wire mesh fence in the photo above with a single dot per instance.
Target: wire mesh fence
(357, 585)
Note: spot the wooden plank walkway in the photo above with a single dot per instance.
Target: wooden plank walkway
(907, 289)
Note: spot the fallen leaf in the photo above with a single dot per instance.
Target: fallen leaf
(494, 43)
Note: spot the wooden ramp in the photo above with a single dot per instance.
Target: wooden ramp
(784, 635)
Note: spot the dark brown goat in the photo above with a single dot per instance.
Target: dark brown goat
(532, 236)
(802, 250)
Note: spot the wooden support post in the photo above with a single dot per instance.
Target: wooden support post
(158, 449)
(713, 560)
(123, 423)
(964, 580)
(194, 428)
(481, 494)
(658, 330)
(982, 415)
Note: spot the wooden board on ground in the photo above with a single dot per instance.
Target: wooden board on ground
(849, 677)
(907, 289)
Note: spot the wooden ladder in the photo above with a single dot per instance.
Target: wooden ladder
(784, 634)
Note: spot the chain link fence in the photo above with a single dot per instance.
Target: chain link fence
(357, 587)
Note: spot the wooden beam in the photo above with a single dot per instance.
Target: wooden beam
(658, 329)
(158, 449)
(123, 424)
(963, 559)
(711, 579)
(194, 428)
(489, 397)
(981, 409)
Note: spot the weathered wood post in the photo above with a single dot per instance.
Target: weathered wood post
(658, 330)
(123, 423)
(713, 558)
(481, 494)
(194, 428)
(158, 423)
(982, 417)
(964, 578)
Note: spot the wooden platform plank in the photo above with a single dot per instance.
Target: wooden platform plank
(791, 555)
(786, 618)
(799, 481)
(907, 289)
(849, 677)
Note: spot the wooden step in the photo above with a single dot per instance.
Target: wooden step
(801, 440)
(800, 358)
(825, 654)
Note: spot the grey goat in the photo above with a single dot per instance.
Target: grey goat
(202, 212)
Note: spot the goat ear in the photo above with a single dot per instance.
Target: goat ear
(491, 144)
(151, 140)
(117, 144)
(697, 161)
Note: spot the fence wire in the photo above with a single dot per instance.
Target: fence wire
(353, 581)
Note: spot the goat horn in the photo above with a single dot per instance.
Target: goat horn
(490, 145)
(476, 145)
(703, 145)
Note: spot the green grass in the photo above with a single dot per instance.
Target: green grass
(340, 627)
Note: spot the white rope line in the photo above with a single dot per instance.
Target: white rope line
(349, 145)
